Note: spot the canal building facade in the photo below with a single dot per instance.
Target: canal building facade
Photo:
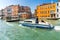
(24, 15)
(11, 12)
(15, 12)
(46, 10)
(25, 12)
(2, 14)
(58, 9)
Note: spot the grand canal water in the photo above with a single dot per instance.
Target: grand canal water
(54, 22)
(12, 31)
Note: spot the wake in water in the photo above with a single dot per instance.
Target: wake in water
(57, 28)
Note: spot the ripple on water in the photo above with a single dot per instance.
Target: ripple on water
(15, 32)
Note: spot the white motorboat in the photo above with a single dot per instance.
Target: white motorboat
(32, 23)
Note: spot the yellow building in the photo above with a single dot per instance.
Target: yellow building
(46, 10)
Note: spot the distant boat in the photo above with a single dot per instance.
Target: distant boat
(0, 17)
(52, 18)
(31, 23)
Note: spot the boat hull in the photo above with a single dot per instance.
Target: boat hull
(38, 26)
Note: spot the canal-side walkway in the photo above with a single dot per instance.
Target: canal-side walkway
(12, 31)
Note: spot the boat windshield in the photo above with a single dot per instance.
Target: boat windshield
(43, 21)
(28, 21)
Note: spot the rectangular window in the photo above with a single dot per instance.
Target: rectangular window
(52, 11)
(53, 6)
(48, 11)
(57, 4)
(57, 10)
(22, 7)
(45, 11)
(50, 6)
(9, 10)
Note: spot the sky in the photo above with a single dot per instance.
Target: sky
(31, 3)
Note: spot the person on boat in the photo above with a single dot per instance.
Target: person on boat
(43, 21)
(37, 20)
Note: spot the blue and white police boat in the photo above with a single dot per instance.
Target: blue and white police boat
(36, 24)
